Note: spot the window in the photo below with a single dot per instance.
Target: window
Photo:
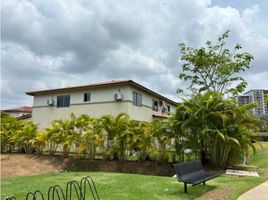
(168, 109)
(63, 101)
(155, 105)
(137, 99)
(86, 97)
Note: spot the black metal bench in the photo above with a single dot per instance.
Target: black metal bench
(192, 172)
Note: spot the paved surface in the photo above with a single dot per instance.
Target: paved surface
(258, 193)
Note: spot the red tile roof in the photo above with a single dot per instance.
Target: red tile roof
(24, 109)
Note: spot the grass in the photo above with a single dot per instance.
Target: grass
(133, 186)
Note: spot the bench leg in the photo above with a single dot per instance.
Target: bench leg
(185, 187)
(204, 183)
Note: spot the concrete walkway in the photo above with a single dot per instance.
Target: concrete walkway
(260, 192)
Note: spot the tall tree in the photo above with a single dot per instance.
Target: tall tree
(214, 67)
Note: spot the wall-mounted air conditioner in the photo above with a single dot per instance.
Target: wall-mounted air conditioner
(50, 102)
(118, 96)
(164, 109)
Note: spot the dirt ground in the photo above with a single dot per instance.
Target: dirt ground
(25, 165)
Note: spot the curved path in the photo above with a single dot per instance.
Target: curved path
(260, 192)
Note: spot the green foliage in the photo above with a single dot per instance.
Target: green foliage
(264, 123)
(217, 127)
(82, 134)
(135, 186)
(112, 137)
(143, 140)
(266, 98)
(205, 123)
(162, 132)
(117, 132)
(214, 67)
(16, 134)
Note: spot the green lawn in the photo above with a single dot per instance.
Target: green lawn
(132, 186)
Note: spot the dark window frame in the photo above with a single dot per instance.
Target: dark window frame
(168, 108)
(87, 97)
(155, 106)
(137, 99)
(63, 101)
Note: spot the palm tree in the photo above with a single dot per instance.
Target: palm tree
(23, 136)
(162, 132)
(179, 132)
(39, 142)
(142, 139)
(9, 126)
(16, 134)
(246, 129)
(53, 138)
(116, 130)
(81, 124)
(219, 125)
(92, 138)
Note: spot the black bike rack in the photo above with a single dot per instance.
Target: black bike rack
(83, 190)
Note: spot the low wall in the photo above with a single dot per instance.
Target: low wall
(149, 168)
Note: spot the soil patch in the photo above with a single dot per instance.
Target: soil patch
(148, 168)
(216, 194)
(13, 165)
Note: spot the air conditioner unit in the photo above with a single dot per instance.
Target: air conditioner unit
(118, 96)
(164, 109)
(50, 102)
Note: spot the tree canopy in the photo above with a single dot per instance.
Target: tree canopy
(214, 67)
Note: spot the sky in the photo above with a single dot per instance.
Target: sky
(59, 43)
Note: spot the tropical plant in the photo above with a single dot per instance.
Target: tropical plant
(39, 142)
(162, 132)
(116, 128)
(121, 135)
(179, 132)
(92, 139)
(23, 136)
(16, 134)
(9, 126)
(51, 135)
(219, 125)
(141, 140)
(214, 67)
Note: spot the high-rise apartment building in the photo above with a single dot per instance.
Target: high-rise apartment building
(257, 96)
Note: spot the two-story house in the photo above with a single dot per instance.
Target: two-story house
(96, 100)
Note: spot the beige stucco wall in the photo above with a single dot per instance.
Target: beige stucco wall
(102, 102)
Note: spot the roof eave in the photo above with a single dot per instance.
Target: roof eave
(127, 82)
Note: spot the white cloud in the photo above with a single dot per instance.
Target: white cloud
(48, 44)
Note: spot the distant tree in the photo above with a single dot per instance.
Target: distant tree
(266, 98)
(214, 67)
